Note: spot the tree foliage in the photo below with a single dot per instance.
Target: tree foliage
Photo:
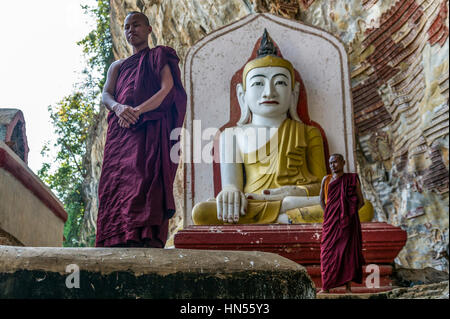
(71, 118)
(97, 45)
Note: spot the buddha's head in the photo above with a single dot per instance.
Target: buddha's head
(268, 86)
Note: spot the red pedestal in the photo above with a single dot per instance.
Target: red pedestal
(300, 243)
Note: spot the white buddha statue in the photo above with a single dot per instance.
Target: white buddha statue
(271, 163)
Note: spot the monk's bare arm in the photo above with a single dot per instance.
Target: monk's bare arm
(360, 195)
(124, 112)
(110, 84)
(322, 194)
(155, 101)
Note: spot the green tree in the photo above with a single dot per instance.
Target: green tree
(97, 46)
(72, 117)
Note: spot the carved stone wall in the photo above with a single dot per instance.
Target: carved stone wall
(399, 63)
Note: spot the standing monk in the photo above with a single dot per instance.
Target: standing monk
(147, 101)
(341, 256)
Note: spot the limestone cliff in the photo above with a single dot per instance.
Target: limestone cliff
(399, 64)
(93, 162)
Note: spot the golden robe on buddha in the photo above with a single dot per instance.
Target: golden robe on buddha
(293, 156)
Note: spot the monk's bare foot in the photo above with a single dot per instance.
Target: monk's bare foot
(323, 291)
(348, 288)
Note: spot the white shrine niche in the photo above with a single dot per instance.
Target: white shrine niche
(210, 64)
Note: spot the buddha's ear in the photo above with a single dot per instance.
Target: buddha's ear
(294, 102)
(240, 93)
(245, 111)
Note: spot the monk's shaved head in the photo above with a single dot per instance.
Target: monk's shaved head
(337, 155)
(141, 16)
(337, 163)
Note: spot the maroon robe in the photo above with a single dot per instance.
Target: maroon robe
(341, 255)
(136, 185)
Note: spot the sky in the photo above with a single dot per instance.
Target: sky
(40, 61)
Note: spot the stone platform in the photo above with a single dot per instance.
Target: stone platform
(300, 243)
(42, 272)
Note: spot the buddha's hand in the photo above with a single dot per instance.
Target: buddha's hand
(231, 203)
(125, 114)
(278, 193)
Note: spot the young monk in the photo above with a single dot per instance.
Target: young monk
(341, 255)
(146, 101)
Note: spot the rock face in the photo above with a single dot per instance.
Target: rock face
(27, 272)
(8, 240)
(93, 162)
(399, 64)
(430, 291)
(404, 277)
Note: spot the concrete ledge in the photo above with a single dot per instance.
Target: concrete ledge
(14, 165)
(29, 211)
(38, 272)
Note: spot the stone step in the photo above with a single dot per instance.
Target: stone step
(46, 272)
(429, 291)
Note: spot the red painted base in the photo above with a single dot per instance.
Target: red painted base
(300, 243)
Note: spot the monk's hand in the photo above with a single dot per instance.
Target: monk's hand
(126, 113)
(231, 204)
(278, 193)
(137, 111)
(123, 124)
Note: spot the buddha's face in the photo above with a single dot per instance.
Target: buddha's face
(268, 91)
